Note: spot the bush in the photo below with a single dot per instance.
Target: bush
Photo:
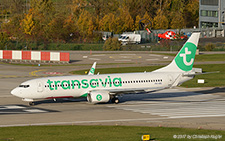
(112, 44)
(209, 47)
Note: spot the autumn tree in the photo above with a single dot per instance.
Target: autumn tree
(28, 23)
(124, 21)
(136, 25)
(85, 24)
(69, 29)
(147, 17)
(160, 20)
(4, 38)
(191, 13)
(112, 44)
(108, 23)
(78, 6)
(177, 20)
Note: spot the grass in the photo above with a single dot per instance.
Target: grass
(201, 57)
(99, 133)
(211, 80)
(210, 57)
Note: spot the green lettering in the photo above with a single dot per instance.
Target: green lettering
(95, 81)
(78, 82)
(117, 82)
(110, 81)
(56, 86)
(103, 83)
(85, 85)
(64, 86)
(49, 83)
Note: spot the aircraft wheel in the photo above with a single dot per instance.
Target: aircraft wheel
(116, 101)
(113, 100)
(31, 103)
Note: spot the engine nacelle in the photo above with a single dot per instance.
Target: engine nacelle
(98, 97)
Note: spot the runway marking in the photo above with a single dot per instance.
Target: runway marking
(154, 55)
(127, 54)
(33, 73)
(84, 122)
(152, 59)
(21, 109)
(94, 59)
(178, 110)
(122, 56)
(122, 60)
(99, 55)
(35, 111)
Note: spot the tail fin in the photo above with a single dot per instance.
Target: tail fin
(184, 60)
(92, 70)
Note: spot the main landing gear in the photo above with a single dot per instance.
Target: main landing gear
(31, 103)
(115, 100)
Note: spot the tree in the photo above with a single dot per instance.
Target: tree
(90, 28)
(55, 28)
(86, 24)
(191, 13)
(177, 20)
(160, 20)
(78, 6)
(136, 25)
(69, 29)
(4, 38)
(28, 23)
(147, 16)
(107, 23)
(124, 21)
(112, 44)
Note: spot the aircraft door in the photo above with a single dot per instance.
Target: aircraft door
(39, 87)
(170, 80)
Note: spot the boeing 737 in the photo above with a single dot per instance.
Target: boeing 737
(102, 88)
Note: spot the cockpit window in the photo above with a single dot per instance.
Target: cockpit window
(24, 86)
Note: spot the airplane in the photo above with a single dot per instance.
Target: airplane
(102, 88)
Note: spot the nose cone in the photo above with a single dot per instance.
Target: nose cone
(15, 92)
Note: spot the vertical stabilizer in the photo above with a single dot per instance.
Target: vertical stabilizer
(184, 60)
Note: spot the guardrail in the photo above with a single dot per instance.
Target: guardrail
(41, 56)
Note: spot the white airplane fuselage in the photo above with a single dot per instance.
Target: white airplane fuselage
(81, 85)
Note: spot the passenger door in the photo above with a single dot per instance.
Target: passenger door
(39, 87)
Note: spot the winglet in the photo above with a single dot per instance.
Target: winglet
(92, 70)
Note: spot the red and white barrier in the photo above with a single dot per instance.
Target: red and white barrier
(35, 55)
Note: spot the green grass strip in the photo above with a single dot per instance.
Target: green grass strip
(100, 133)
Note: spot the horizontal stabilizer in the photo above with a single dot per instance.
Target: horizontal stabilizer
(193, 73)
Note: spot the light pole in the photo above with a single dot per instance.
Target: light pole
(219, 13)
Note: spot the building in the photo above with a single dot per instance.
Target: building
(212, 14)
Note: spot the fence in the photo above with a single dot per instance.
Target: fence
(40, 56)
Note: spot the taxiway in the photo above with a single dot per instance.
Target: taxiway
(179, 107)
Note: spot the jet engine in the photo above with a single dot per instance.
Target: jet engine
(98, 97)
